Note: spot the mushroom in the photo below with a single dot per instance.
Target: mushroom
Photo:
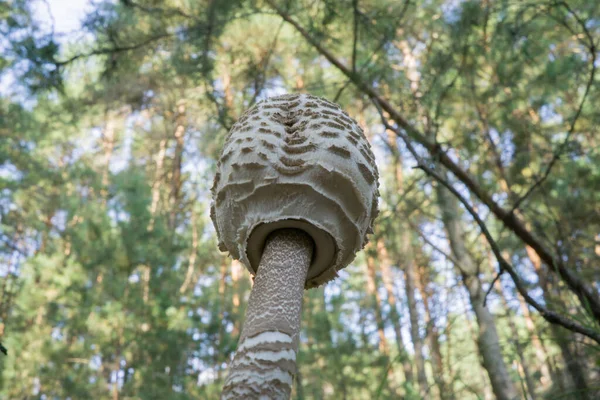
(294, 197)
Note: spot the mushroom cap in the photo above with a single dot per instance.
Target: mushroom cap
(296, 161)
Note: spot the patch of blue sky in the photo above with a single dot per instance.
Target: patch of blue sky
(451, 10)
(60, 18)
(63, 17)
(549, 115)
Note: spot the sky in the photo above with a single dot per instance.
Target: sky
(61, 16)
(65, 15)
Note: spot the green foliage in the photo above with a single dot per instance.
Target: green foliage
(111, 284)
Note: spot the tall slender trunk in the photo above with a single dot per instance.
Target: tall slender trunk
(530, 386)
(376, 304)
(336, 365)
(449, 367)
(237, 289)
(155, 193)
(541, 354)
(108, 144)
(176, 181)
(221, 314)
(488, 341)
(561, 336)
(146, 271)
(483, 377)
(386, 275)
(409, 266)
(410, 287)
(312, 302)
(533, 255)
(432, 334)
(192, 257)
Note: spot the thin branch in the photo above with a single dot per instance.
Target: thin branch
(112, 50)
(262, 76)
(504, 265)
(558, 153)
(487, 292)
(430, 243)
(355, 35)
(585, 293)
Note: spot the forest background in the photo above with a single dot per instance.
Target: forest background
(481, 281)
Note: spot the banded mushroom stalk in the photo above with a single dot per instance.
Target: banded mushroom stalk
(294, 197)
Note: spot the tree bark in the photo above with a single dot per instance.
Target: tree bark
(487, 393)
(541, 354)
(376, 303)
(221, 313)
(410, 286)
(530, 386)
(434, 339)
(265, 361)
(561, 336)
(108, 144)
(192, 257)
(488, 341)
(160, 160)
(384, 348)
(386, 275)
(176, 181)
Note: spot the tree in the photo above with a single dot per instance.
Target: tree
(111, 285)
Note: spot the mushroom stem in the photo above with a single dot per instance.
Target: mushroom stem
(265, 361)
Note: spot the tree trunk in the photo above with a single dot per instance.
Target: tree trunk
(160, 160)
(488, 340)
(265, 361)
(221, 313)
(561, 336)
(376, 303)
(176, 181)
(410, 286)
(192, 257)
(580, 389)
(487, 393)
(434, 339)
(530, 386)
(541, 354)
(108, 144)
(386, 275)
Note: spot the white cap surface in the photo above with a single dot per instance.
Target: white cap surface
(296, 161)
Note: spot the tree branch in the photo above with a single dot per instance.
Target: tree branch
(355, 35)
(586, 294)
(112, 50)
(504, 265)
(557, 154)
(430, 243)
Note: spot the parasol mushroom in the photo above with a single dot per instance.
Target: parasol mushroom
(294, 197)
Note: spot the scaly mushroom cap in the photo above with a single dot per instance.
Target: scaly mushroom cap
(296, 161)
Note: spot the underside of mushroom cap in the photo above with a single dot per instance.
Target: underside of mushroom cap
(296, 161)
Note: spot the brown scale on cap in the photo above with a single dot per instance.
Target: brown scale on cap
(294, 205)
(309, 141)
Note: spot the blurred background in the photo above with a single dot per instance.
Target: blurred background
(112, 116)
